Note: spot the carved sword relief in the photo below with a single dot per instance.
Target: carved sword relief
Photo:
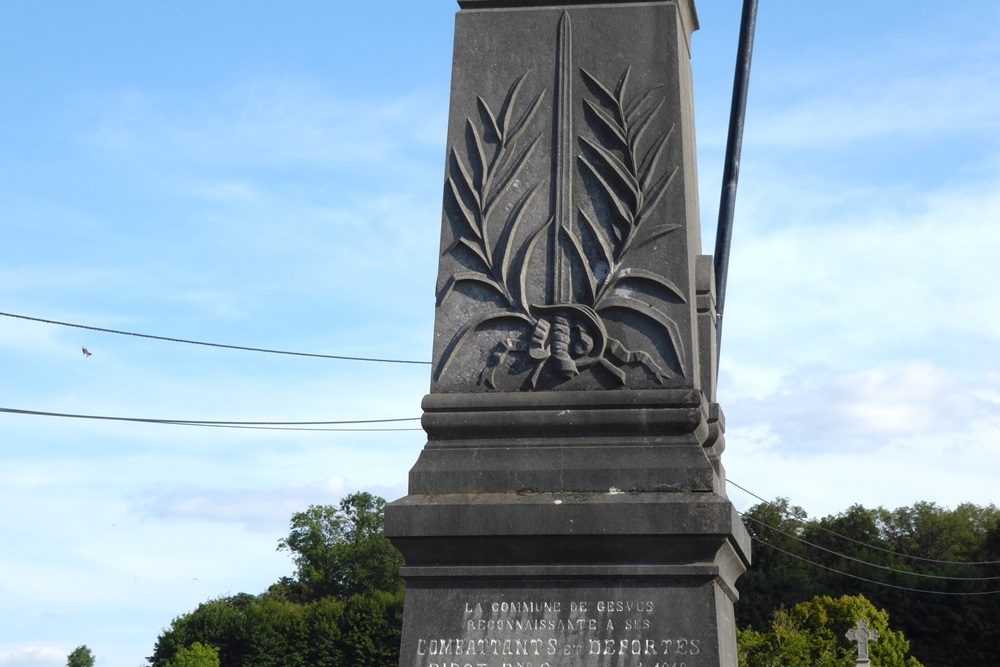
(558, 339)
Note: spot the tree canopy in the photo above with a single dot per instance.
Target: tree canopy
(813, 634)
(196, 655)
(343, 606)
(81, 656)
(935, 570)
(341, 551)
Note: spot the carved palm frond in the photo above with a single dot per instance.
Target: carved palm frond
(463, 334)
(625, 171)
(640, 307)
(480, 181)
(653, 278)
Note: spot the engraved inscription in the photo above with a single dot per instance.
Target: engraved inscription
(625, 632)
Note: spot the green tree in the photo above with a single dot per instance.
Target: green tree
(344, 606)
(197, 655)
(371, 629)
(216, 622)
(813, 634)
(341, 551)
(778, 576)
(932, 568)
(326, 630)
(81, 656)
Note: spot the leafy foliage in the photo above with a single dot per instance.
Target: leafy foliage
(197, 655)
(270, 631)
(344, 606)
(81, 656)
(813, 634)
(341, 551)
(298, 622)
(887, 556)
(776, 579)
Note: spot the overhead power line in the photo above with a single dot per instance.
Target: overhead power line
(220, 345)
(259, 425)
(874, 547)
(863, 561)
(873, 581)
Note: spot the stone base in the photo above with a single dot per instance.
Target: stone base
(586, 441)
(592, 623)
(561, 579)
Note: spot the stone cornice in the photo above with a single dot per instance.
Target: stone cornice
(688, 12)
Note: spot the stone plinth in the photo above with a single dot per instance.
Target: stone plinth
(569, 579)
(569, 507)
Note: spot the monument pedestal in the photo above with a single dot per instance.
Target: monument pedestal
(569, 579)
(582, 441)
(630, 559)
(569, 508)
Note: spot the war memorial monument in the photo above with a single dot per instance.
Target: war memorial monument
(569, 508)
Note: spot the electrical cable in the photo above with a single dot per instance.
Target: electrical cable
(286, 428)
(262, 425)
(859, 542)
(865, 562)
(872, 581)
(220, 345)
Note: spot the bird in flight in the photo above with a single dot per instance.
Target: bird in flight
(86, 352)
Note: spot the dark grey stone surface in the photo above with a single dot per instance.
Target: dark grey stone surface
(584, 441)
(571, 576)
(686, 7)
(561, 530)
(570, 209)
(569, 507)
(594, 623)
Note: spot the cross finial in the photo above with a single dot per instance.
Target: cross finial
(861, 634)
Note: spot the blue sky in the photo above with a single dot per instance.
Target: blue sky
(270, 177)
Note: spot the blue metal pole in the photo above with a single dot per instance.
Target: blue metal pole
(731, 173)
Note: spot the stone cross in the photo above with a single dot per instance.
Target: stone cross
(862, 635)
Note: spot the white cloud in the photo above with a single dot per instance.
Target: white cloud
(863, 411)
(873, 283)
(887, 437)
(254, 508)
(860, 338)
(265, 124)
(32, 656)
(922, 106)
(917, 79)
(946, 470)
(22, 334)
(287, 191)
(853, 366)
(214, 303)
(228, 191)
(22, 279)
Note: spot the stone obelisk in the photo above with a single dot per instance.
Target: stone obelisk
(569, 507)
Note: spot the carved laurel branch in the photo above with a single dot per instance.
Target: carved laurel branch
(627, 174)
(477, 188)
